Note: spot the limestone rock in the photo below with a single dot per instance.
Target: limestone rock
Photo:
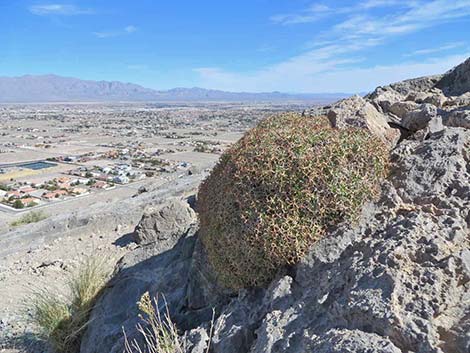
(357, 112)
(384, 97)
(158, 269)
(457, 81)
(400, 109)
(458, 118)
(421, 84)
(417, 97)
(437, 99)
(165, 222)
(397, 281)
(419, 118)
(459, 101)
(400, 285)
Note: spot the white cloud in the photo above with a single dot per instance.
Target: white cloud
(417, 15)
(370, 4)
(137, 67)
(331, 61)
(110, 34)
(58, 9)
(309, 74)
(318, 11)
(439, 49)
(130, 29)
(311, 14)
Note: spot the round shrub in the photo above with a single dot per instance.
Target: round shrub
(279, 189)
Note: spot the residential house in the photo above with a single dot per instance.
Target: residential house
(26, 190)
(13, 193)
(103, 177)
(79, 191)
(29, 201)
(38, 193)
(100, 185)
(121, 179)
(54, 194)
(63, 180)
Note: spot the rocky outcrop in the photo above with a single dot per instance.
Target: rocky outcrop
(161, 268)
(397, 280)
(419, 118)
(405, 107)
(401, 283)
(357, 112)
(457, 81)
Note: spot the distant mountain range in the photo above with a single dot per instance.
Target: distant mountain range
(53, 88)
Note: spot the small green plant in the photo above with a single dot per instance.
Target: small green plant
(31, 217)
(159, 333)
(279, 189)
(18, 204)
(62, 319)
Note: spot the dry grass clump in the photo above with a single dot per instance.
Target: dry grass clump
(279, 189)
(159, 334)
(31, 217)
(63, 319)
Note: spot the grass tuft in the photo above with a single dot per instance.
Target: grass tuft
(158, 334)
(63, 319)
(31, 217)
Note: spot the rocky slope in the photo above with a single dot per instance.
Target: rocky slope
(397, 281)
(42, 254)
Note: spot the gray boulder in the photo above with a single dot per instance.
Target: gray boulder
(383, 98)
(420, 84)
(357, 112)
(400, 109)
(164, 223)
(436, 99)
(418, 119)
(459, 101)
(398, 281)
(458, 118)
(160, 268)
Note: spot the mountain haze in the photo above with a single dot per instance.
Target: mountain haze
(53, 88)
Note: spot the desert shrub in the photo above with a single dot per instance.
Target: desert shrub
(31, 217)
(62, 319)
(279, 189)
(18, 204)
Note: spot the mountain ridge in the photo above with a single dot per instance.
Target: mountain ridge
(54, 88)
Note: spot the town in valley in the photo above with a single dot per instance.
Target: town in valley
(61, 157)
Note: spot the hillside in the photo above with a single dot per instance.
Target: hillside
(393, 278)
(396, 280)
(53, 88)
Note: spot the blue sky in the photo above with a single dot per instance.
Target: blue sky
(243, 45)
